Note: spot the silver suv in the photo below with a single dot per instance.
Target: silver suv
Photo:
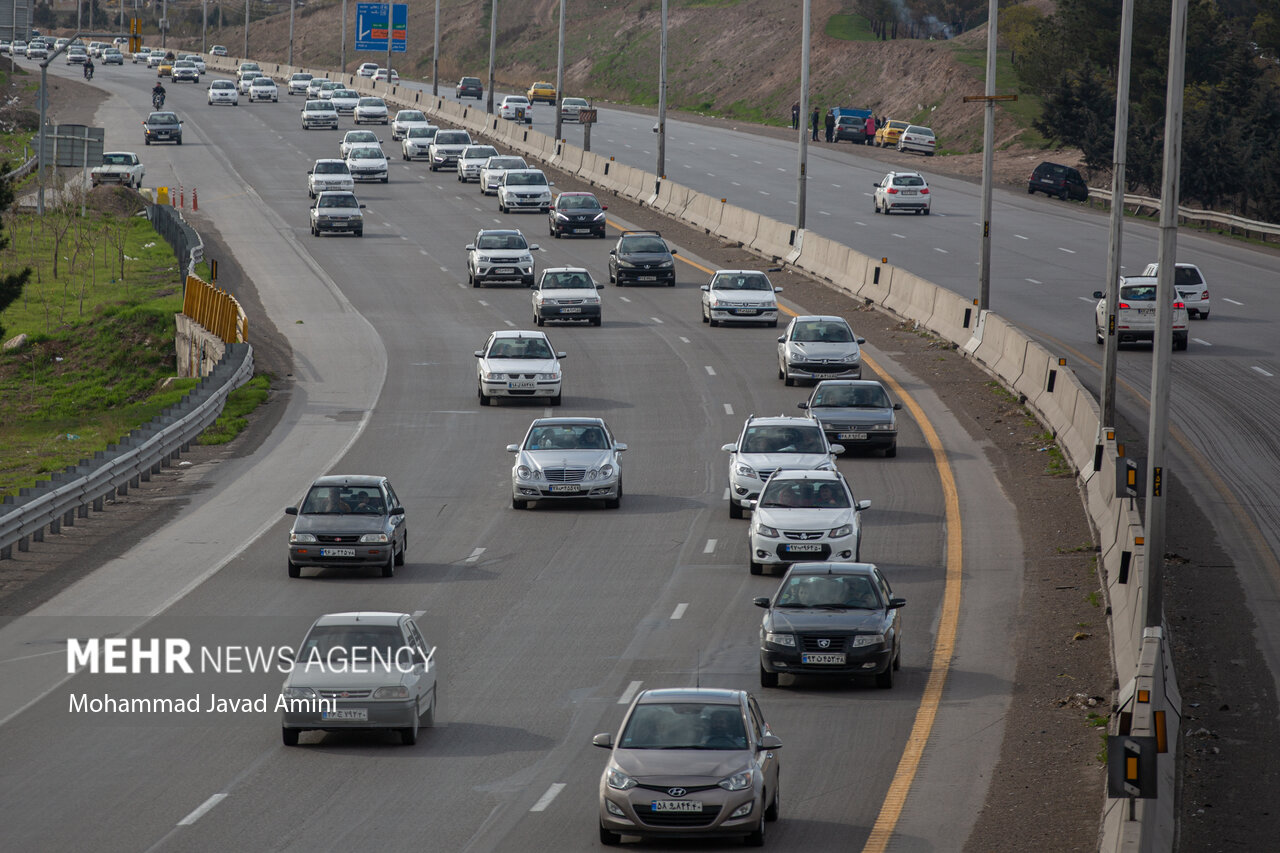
(767, 444)
(500, 255)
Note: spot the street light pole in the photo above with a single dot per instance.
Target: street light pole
(204, 24)
(988, 159)
(803, 163)
(560, 73)
(662, 98)
(493, 46)
(344, 36)
(44, 110)
(291, 7)
(435, 56)
(246, 29)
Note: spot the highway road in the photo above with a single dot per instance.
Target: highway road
(546, 620)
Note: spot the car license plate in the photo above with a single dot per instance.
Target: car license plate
(908, 192)
(676, 806)
(1146, 312)
(822, 658)
(851, 436)
(646, 278)
(359, 715)
(746, 312)
(807, 547)
(566, 487)
(504, 271)
(570, 310)
(337, 552)
(582, 231)
(521, 385)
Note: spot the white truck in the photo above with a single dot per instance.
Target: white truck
(118, 167)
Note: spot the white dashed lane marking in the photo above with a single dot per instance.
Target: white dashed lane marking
(545, 799)
(1202, 343)
(1033, 281)
(475, 555)
(728, 408)
(629, 693)
(1068, 251)
(711, 371)
(679, 611)
(1232, 301)
(201, 809)
(710, 547)
(1260, 370)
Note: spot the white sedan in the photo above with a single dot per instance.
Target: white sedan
(344, 100)
(494, 168)
(567, 458)
(566, 293)
(263, 89)
(570, 107)
(371, 110)
(406, 119)
(223, 92)
(417, 141)
(516, 108)
(367, 163)
(298, 83)
(357, 139)
(805, 516)
(518, 364)
(380, 76)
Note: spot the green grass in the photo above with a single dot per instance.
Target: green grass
(16, 145)
(240, 403)
(1025, 110)
(1057, 465)
(849, 28)
(100, 348)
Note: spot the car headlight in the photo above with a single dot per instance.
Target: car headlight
(625, 264)
(374, 537)
(842, 530)
(526, 259)
(852, 359)
(548, 376)
(300, 693)
(618, 780)
(766, 530)
(666, 265)
(884, 426)
(604, 472)
(746, 471)
(528, 472)
(490, 374)
(780, 639)
(598, 217)
(397, 692)
(737, 782)
(863, 640)
(301, 538)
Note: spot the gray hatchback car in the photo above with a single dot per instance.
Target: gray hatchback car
(348, 522)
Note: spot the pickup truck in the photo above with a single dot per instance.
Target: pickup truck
(118, 167)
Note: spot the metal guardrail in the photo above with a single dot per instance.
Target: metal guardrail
(215, 309)
(72, 492)
(184, 239)
(22, 171)
(1267, 229)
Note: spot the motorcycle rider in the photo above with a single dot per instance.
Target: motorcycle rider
(157, 95)
(88, 68)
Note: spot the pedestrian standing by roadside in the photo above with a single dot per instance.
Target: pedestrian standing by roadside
(795, 116)
(813, 120)
(871, 131)
(831, 125)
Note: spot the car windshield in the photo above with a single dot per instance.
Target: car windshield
(520, 348)
(477, 152)
(366, 153)
(262, 82)
(360, 136)
(1138, 293)
(643, 245)
(919, 131)
(505, 163)
(339, 645)
(453, 137)
(318, 107)
(822, 331)
(371, 102)
(1187, 277)
(333, 500)
(526, 179)
(908, 181)
(742, 281)
(836, 592)
(162, 118)
(566, 437)
(222, 84)
(333, 167)
(517, 102)
(782, 439)
(850, 397)
(421, 132)
(567, 281)
(302, 77)
(502, 241)
(337, 200)
(344, 94)
(805, 494)
(410, 115)
(684, 725)
(470, 81)
(579, 202)
(117, 160)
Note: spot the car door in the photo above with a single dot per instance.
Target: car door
(766, 759)
(425, 685)
(392, 502)
(893, 616)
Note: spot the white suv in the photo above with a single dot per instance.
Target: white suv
(1136, 314)
(803, 516)
(1192, 288)
(446, 147)
(903, 191)
(500, 255)
(767, 444)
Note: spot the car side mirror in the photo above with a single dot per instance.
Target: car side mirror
(762, 601)
(837, 449)
(479, 353)
(729, 448)
(399, 510)
(803, 404)
(751, 504)
(362, 207)
(782, 339)
(861, 341)
(561, 355)
(897, 406)
(863, 505)
(535, 247)
(1098, 294)
(291, 510)
(619, 446)
(311, 171)
(771, 742)
(599, 286)
(603, 740)
(877, 186)
(513, 448)
(675, 251)
(613, 251)
(895, 603)
(705, 287)
(604, 207)
(777, 290)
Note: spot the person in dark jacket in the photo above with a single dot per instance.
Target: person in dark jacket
(831, 125)
(795, 116)
(813, 120)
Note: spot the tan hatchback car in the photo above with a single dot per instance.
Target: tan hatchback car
(690, 763)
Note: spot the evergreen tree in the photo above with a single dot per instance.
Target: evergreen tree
(11, 283)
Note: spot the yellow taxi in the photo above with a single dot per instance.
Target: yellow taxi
(888, 136)
(165, 68)
(542, 92)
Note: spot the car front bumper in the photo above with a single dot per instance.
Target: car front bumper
(508, 271)
(637, 817)
(649, 276)
(773, 552)
(415, 151)
(852, 437)
(872, 660)
(320, 122)
(501, 388)
(744, 315)
(369, 175)
(314, 554)
(817, 371)
(372, 118)
(223, 99)
(380, 713)
(539, 490)
(569, 312)
(349, 226)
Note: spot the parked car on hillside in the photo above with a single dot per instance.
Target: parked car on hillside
(1056, 179)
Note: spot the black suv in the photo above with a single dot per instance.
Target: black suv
(162, 127)
(470, 87)
(1056, 179)
(642, 257)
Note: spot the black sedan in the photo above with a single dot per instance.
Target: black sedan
(855, 413)
(642, 257)
(831, 619)
(348, 521)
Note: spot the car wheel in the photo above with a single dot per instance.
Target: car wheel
(756, 839)
(384, 180)
(926, 211)
(768, 679)
(705, 318)
(1063, 195)
(404, 156)
(595, 321)
(289, 736)
(404, 547)
(612, 278)
(885, 679)
(295, 571)
(179, 140)
(757, 568)
(429, 717)
(1204, 315)
(389, 567)
(891, 451)
(774, 808)
(1180, 343)
(502, 208)
(360, 232)
(1031, 190)
(608, 838)
(518, 503)
(614, 503)
(735, 510)
(538, 321)
(773, 324)
(712, 322)
(897, 658)
(555, 401)
(484, 401)
(409, 736)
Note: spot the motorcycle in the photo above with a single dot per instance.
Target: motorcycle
(88, 72)
(157, 100)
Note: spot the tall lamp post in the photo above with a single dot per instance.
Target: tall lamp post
(661, 168)
(344, 36)
(291, 7)
(44, 112)
(246, 29)
(803, 165)
(560, 72)
(435, 56)
(493, 46)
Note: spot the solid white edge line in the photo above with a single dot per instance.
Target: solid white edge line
(679, 611)
(629, 693)
(545, 799)
(1202, 342)
(200, 810)
(710, 547)
(1260, 370)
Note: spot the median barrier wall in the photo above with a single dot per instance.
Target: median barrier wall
(949, 312)
(637, 184)
(673, 199)
(704, 212)
(876, 282)
(826, 258)
(911, 297)
(774, 239)
(738, 223)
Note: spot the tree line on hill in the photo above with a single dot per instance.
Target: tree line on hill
(1231, 106)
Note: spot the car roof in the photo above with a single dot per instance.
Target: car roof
(832, 568)
(518, 171)
(899, 174)
(566, 269)
(566, 422)
(361, 617)
(329, 160)
(712, 695)
(575, 193)
(850, 383)
(357, 480)
(785, 473)
(738, 272)
(518, 333)
(825, 318)
(485, 232)
(782, 420)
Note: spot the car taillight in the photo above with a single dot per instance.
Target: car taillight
(1179, 305)
(1124, 305)
(891, 191)
(1204, 295)
(924, 191)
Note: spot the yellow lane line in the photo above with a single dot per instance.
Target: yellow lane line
(948, 625)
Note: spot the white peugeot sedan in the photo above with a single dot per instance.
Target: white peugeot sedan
(516, 108)
(417, 141)
(371, 111)
(518, 364)
(367, 163)
(298, 83)
(803, 516)
(471, 159)
(767, 444)
(344, 100)
(493, 169)
(356, 139)
(566, 293)
(740, 296)
(223, 92)
(817, 347)
(524, 189)
(567, 458)
(329, 175)
(406, 119)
